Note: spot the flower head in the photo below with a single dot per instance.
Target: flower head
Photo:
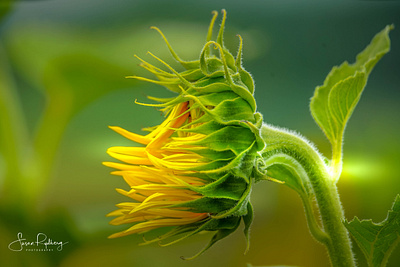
(195, 170)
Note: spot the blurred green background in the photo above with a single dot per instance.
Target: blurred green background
(62, 69)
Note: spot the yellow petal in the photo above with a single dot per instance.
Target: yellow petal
(153, 224)
(132, 136)
(130, 159)
(133, 151)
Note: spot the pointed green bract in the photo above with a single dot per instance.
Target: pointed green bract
(225, 227)
(334, 102)
(228, 186)
(248, 219)
(377, 240)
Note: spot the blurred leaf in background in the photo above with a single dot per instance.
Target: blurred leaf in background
(5, 7)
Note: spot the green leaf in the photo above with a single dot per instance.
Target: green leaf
(334, 102)
(377, 240)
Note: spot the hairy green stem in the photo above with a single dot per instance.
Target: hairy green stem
(323, 188)
(313, 225)
(336, 162)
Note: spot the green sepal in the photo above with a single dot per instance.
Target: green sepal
(225, 223)
(190, 74)
(377, 240)
(207, 224)
(248, 220)
(247, 80)
(230, 59)
(162, 101)
(245, 77)
(234, 110)
(237, 79)
(228, 106)
(234, 138)
(222, 233)
(215, 166)
(243, 92)
(215, 99)
(224, 227)
(240, 208)
(211, 67)
(207, 178)
(165, 103)
(213, 155)
(256, 129)
(191, 229)
(174, 82)
(194, 64)
(226, 111)
(207, 205)
(228, 186)
(238, 88)
(245, 168)
(170, 85)
(204, 128)
(220, 207)
(234, 165)
(211, 85)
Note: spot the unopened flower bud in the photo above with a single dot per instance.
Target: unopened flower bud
(195, 170)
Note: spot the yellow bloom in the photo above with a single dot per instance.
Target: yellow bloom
(158, 175)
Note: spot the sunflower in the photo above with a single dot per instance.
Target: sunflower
(196, 169)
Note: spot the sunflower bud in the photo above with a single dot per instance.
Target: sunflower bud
(196, 169)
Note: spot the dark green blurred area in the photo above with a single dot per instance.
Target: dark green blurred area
(76, 54)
